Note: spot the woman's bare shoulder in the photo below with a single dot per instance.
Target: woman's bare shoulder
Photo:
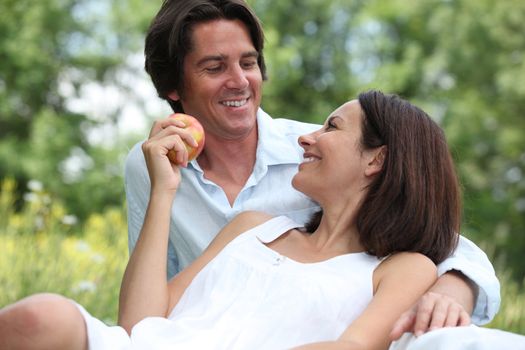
(406, 266)
(247, 220)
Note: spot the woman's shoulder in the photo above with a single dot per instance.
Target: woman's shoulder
(406, 264)
(251, 217)
(242, 223)
(407, 260)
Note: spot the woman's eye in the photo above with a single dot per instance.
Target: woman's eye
(330, 125)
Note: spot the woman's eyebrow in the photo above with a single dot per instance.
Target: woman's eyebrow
(334, 118)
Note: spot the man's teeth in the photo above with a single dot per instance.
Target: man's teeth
(235, 103)
(309, 159)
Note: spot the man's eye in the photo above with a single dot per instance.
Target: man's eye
(248, 65)
(214, 69)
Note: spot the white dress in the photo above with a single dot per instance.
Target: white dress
(251, 297)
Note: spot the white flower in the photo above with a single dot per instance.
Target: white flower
(30, 197)
(84, 286)
(83, 246)
(35, 185)
(98, 258)
(69, 220)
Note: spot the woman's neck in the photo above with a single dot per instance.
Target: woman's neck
(337, 229)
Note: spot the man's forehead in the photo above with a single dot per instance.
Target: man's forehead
(210, 37)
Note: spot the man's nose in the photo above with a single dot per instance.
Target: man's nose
(237, 78)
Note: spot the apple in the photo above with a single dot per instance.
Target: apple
(192, 125)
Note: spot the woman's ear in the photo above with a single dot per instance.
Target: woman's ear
(375, 165)
(174, 95)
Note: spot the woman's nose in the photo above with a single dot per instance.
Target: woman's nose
(306, 140)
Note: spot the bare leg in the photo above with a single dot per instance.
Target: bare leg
(42, 321)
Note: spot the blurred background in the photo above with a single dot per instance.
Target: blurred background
(74, 98)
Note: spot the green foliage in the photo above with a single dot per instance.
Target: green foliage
(309, 66)
(50, 51)
(45, 250)
(511, 316)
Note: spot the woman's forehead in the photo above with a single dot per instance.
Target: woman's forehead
(349, 110)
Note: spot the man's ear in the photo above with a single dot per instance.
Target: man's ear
(375, 165)
(174, 95)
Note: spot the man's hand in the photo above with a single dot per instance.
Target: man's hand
(447, 304)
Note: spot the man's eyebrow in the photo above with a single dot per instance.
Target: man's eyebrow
(251, 54)
(218, 58)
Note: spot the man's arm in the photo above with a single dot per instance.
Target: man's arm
(467, 285)
(474, 264)
(137, 187)
(448, 303)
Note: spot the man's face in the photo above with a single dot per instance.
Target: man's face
(222, 80)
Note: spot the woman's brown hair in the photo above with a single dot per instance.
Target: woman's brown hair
(414, 203)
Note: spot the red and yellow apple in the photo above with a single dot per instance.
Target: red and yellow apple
(192, 125)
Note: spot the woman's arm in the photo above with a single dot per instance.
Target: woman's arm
(145, 291)
(144, 287)
(398, 282)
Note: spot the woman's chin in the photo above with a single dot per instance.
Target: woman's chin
(299, 183)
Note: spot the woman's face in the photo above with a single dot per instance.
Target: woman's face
(334, 162)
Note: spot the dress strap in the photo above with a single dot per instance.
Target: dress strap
(274, 228)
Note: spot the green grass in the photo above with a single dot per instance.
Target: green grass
(511, 315)
(43, 250)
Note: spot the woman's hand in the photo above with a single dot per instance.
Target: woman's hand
(166, 134)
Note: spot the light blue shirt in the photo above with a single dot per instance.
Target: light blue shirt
(201, 209)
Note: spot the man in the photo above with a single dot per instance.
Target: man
(205, 57)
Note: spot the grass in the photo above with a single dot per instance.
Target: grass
(44, 250)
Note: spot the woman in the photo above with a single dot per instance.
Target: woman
(382, 174)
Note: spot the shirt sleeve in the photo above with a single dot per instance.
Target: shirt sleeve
(137, 187)
(474, 263)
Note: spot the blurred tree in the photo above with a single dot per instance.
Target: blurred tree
(49, 52)
(461, 60)
(308, 54)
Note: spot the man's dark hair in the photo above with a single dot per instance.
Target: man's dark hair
(413, 203)
(169, 39)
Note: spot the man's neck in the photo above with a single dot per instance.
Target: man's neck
(229, 163)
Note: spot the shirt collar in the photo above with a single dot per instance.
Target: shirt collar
(276, 145)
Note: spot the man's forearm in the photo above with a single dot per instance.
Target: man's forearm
(459, 287)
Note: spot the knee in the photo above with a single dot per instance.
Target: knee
(37, 314)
